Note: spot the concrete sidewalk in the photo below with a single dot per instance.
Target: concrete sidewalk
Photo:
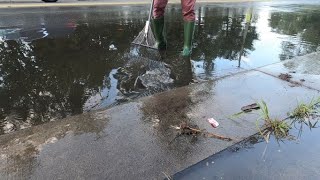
(136, 141)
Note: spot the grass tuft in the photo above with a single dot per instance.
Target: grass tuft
(279, 128)
(305, 110)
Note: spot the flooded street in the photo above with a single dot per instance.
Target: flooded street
(56, 62)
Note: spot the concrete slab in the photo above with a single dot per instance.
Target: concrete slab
(305, 70)
(135, 141)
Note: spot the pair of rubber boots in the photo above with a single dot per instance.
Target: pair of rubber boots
(158, 26)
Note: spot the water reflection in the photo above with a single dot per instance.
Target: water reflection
(75, 61)
(52, 77)
(303, 26)
(225, 36)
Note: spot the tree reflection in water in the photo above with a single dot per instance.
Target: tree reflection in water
(53, 77)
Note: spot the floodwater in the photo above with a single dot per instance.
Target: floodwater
(291, 158)
(56, 62)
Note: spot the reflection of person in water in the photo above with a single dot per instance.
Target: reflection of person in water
(188, 17)
(245, 32)
(181, 69)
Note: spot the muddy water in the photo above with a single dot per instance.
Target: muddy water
(58, 62)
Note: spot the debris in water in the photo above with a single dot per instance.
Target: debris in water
(112, 47)
(294, 84)
(285, 77)
(167, 176)
(211, 135)
(8, 127)
(185, 129)
(302, 80)
(155, 122)
(250, 107)
(213, 122)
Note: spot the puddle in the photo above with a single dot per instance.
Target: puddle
(292, 158)
(57, 62)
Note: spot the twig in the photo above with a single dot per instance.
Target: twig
(211, 135)
(195, 131)
(167, 176)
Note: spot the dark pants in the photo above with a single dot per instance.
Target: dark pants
(187, 9)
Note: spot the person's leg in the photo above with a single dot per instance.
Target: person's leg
(188, 9)
(189, 18)
(159, 7)
(158, 22)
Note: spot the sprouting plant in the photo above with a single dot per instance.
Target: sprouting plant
(279, 128)
(302, 113)
(305, 110)
(264, 111)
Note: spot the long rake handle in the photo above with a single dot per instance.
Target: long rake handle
(149, 18)
(151, 10)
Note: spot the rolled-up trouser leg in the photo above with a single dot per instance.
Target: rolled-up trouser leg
(188, 9)
(158, 8)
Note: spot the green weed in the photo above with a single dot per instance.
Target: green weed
(305, 110)
(302, 113)
(279, 128)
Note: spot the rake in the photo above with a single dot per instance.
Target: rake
(145, 37)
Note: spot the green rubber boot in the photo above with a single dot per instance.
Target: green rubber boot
(157, 27)
(188, 35)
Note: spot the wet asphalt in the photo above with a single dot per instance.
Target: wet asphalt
(60, 62)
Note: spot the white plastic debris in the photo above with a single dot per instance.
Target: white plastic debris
(112, 47)
(213, 122)
(8, 127)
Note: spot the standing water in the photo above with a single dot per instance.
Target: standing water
(291, 158)
(56, 62)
